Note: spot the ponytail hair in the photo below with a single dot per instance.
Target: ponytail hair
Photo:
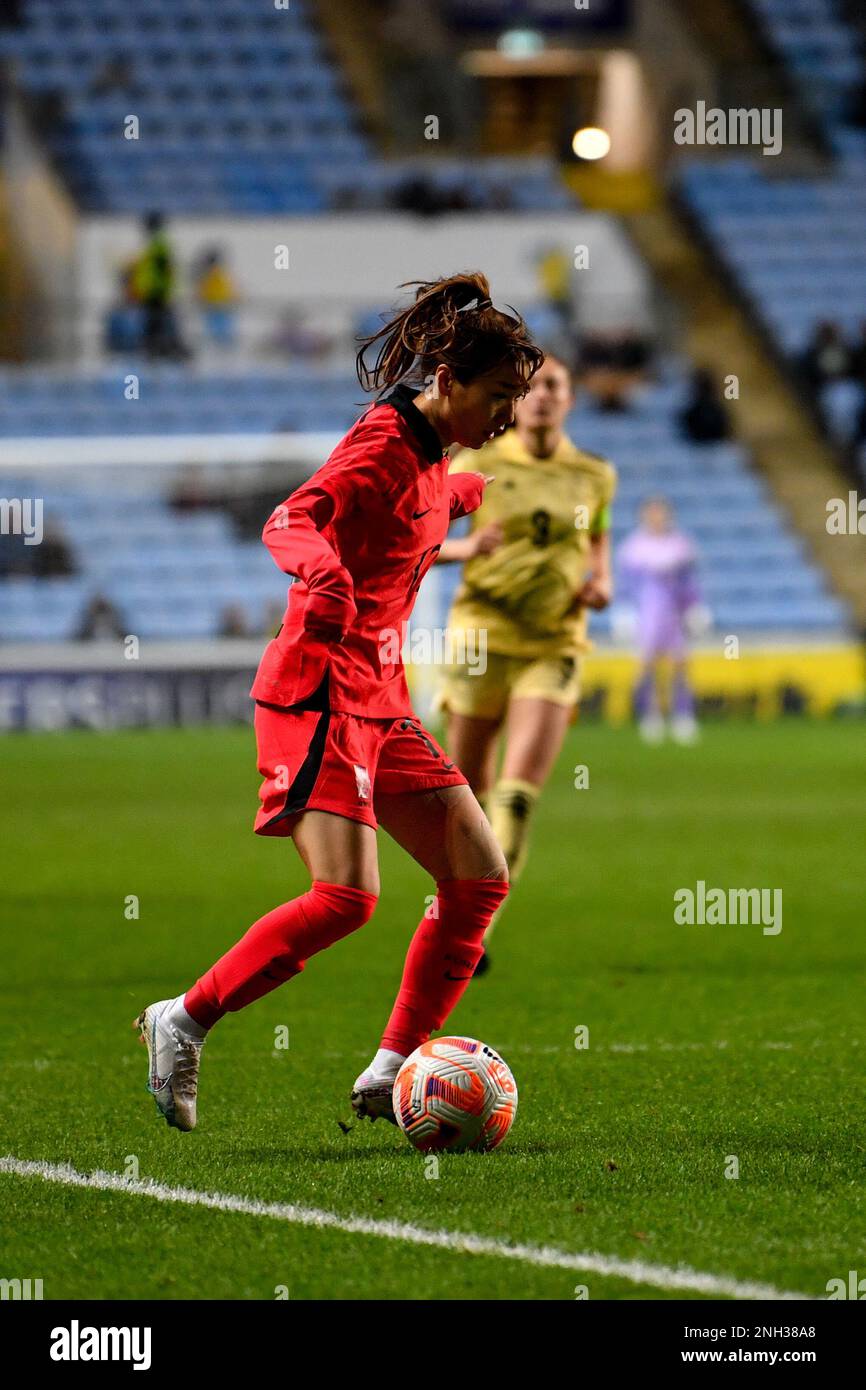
(451, 321)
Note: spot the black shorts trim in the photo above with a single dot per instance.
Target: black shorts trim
(304, 780)
(318, 699)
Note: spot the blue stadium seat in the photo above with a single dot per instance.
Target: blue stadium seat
(173, 573)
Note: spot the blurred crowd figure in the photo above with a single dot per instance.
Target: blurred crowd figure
(421, 76)
(834, 368)
(704, 418)
(428, 197)
(101, 621)
(657, 567)
(294, 336)
(613, 363)
(234, 621)
(117, 74)
(216, 296)
(11, 14)
(52, 558)
(190, 491)
(829, 357)
(153, 283)
(143, 317)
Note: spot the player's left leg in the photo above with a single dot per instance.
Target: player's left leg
(448, 834)
(535, 732)
(646, 701)
(445, 830)
(543, 699)
(684, 727)
(473, 701)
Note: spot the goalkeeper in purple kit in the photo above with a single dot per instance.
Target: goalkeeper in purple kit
(657, 567)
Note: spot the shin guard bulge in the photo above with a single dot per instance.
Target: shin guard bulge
(442, 955)
(276, 947)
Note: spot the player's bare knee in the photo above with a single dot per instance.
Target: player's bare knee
(498, 869)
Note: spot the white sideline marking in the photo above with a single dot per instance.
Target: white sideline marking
(637, 1271)
(527, 1049)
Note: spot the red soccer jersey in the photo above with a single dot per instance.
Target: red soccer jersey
(359, 536)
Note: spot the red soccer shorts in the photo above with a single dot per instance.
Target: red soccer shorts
(321, 760)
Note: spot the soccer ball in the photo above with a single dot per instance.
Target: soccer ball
(454, 1094)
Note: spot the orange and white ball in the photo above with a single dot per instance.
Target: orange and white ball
(455, 1094)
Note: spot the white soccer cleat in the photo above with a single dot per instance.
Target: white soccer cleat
(372, 1096)
(173, 1065)
(652, 728)
(684, 729)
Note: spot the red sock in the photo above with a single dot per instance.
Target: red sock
(276, 947)
(442, 956)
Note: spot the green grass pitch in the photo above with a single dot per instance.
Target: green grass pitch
(705, 1042)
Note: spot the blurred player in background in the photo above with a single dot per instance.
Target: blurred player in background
(335, 729)
(657, 569)
(537, 558)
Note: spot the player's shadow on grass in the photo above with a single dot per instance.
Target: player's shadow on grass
(344, 1150)
(338, 1152)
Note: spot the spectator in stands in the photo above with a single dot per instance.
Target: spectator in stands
(115, 75)
(827, 357)
(217, 297)
(554, 276)
(52, 558)
(100, 621)
(704, 419)
(47, 111)
(124, 323)
(422, 76)
(612, 365)
(11, 14)
(14, 559)
(154, 282)
(633, 351)
(293, 337)
(274, 614)
(856, 112)
(233, 622)
(420, 195)
(189, 493)
(858, 356)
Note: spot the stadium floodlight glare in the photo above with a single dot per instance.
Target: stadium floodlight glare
(590, 142)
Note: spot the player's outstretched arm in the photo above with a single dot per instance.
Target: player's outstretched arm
(480, 542)
(597, 590)
(467, 493)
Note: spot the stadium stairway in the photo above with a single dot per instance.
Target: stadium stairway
(13, 287)
(748, 71)
(349, 26)
(794, 244)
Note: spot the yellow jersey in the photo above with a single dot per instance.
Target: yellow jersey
(549, 510)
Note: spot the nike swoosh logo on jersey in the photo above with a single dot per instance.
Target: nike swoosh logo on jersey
(449, 976)
(417, 515)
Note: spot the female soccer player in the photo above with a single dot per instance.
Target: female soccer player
(550, 506)
(339, 747)
(657, 565)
